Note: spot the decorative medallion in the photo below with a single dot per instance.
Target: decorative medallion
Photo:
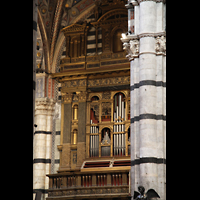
(43, 10)
(38, 54)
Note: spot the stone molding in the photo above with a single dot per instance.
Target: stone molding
(132, 3)
(44, 106)
(157, 1)
(141, 35)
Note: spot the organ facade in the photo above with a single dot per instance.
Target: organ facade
(95, 108)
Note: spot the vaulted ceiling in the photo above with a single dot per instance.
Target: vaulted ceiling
(53, 15)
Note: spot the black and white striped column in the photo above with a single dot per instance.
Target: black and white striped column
(148, 97)
(42, 144)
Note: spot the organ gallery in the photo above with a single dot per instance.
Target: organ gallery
(99, 99)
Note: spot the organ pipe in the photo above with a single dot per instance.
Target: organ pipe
(94, 145)
(94, 140)
(91, 147)
(120, 105)
(122, 109)
(115, 144)
(117, 115)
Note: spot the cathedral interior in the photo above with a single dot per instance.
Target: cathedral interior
(99, 89)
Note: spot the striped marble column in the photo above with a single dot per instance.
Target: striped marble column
(44, 109)
(148, 89)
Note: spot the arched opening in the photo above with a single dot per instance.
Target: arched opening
(105, 141)
(95, 98)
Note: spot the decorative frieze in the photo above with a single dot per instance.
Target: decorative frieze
(74, 83)
(109, 81)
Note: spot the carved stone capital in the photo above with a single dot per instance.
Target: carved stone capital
(131, 44)
(160, 45)
(132, 47)
(44, 106)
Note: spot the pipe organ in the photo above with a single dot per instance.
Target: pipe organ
(109, 137)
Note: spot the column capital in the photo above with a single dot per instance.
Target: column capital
(44, 106)
(131, 45)
(67, 97)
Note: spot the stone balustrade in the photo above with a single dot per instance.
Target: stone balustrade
(88, 184)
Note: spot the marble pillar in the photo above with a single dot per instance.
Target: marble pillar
(44, 109)
(146, 50)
